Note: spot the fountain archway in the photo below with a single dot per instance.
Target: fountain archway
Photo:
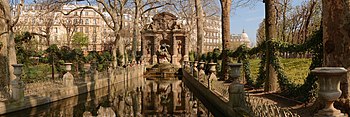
(165, 29)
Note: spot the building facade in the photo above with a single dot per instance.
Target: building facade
(238, 40)
(55, 27)
(212, 34)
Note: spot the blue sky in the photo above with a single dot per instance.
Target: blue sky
(249, 18)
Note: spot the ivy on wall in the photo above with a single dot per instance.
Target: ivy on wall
(314, 46)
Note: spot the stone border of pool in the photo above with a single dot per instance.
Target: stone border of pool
(66, 92)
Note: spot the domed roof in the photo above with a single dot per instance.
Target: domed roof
(245, 36)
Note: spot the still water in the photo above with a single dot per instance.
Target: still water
(134, 98)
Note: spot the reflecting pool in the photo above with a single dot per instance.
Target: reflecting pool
(133, 98)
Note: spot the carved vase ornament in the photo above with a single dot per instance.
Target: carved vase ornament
(68, 78)
(235, 72)
(329, 89)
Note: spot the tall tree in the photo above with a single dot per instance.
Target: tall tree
(200, 30)
(336, 38)
(8, 19)
(270, 32)
(111, 12)
(225, 19)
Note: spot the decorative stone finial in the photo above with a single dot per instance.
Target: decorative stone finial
(329, 83)
(235, 72)
(68, 66)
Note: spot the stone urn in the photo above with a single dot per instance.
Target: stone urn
(201, 65)
(329, 89)
(234, 72)
(68, 79)
(17, 70)
(212, 68)
(68, 66)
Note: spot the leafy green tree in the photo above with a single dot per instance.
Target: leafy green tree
(80, 40)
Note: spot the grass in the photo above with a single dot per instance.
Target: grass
(296, 69)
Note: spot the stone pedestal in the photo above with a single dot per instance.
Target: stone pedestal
(236, 90)
(192, 66)
(212, 75)
(329, 83)
(68, 79)
(195, 70)
(236, 94)
(17, 84)
(201, 73)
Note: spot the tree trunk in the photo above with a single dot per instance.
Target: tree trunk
(336, 38)
(200, 31)
(4, 71)
(136, 31)
(226, 8)
(270, 29)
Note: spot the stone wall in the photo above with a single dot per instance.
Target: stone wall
(128, 77)
(216, 106)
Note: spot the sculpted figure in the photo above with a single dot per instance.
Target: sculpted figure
(163, 54)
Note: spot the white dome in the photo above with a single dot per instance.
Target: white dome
(245, 37)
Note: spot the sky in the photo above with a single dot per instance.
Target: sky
(249, 18)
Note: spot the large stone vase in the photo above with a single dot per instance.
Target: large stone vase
(235, 72)
(329, 89)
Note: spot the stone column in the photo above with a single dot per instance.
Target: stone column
(174, 56)
(143, 44)
(17, 84)
(185, 46)
(155, 48)
(68, 79)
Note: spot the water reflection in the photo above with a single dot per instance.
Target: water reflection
(139, 98)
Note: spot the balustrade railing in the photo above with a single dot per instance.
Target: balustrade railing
(259, 107)
(264, 108)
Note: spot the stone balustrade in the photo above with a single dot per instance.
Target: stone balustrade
(233, 93)
(38, 93)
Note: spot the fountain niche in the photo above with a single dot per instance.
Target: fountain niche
(165, 32)
(164, 45)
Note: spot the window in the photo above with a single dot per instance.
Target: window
(56, 30)
(95, 21)
(87, 21)
(86, 13)
(81, 29)
(94, 29)
(87, 30)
